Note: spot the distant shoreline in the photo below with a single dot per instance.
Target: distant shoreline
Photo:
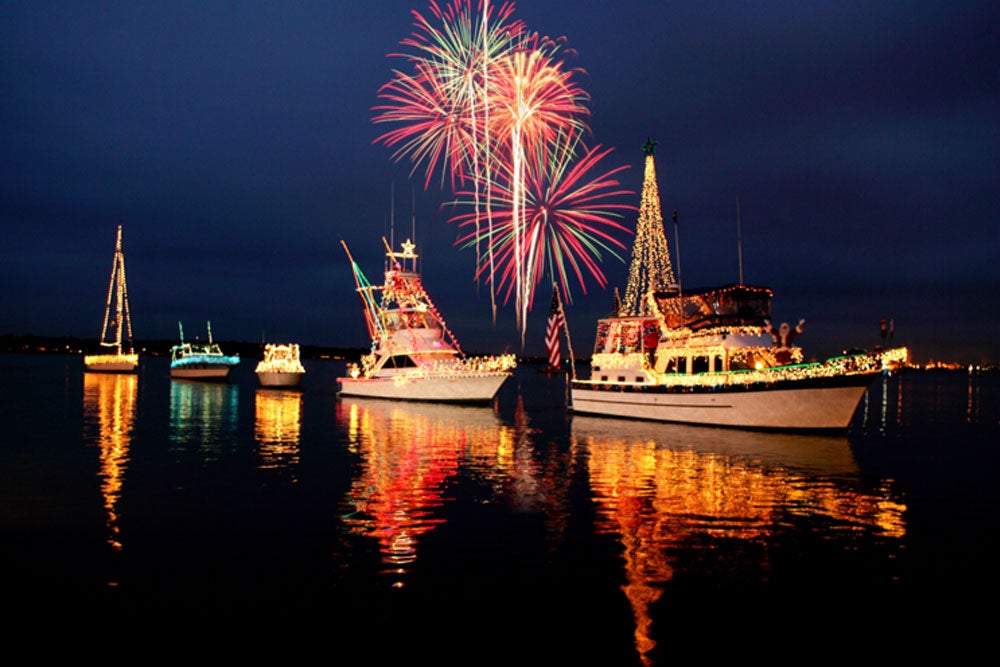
(33, 344)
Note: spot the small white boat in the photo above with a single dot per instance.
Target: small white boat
(117, 324)
(414, 356)
(200, 361)
(281, 366)
(710, 356)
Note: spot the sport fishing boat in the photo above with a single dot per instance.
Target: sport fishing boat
(711, 356)
(117, 324)
(414, 356)
(200, 361)
(281, 366)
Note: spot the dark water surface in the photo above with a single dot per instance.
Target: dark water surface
(144, 519)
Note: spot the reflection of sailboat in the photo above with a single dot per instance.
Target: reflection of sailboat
(117, 322)
(109, 404)
(278, 423)
(409, 452)
(665, 489)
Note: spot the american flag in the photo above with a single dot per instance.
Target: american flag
(557, 320)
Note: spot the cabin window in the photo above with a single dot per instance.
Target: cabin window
(700, 364)
(621, 378)
(640, 379)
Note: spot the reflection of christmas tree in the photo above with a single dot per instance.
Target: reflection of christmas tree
(650, 268)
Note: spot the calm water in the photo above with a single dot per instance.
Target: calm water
(155, 516)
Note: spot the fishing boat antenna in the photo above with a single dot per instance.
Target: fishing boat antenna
(739, 239)
(677, 247)
(209, 332)
(181, 328)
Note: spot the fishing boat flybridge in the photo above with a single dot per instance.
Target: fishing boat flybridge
(200, 361)
(116, 332)
(414, 356)
(711, 356)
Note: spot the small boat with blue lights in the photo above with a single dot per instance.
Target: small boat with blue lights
(116, 332)
(281, 366)
(200, 361)
(711, 356)
(414, 356)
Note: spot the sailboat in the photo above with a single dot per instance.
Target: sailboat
(117, 323)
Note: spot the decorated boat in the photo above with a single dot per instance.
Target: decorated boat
(116, 332)
(200, 361)
(414, 355)
(281, 366)
(711, 356)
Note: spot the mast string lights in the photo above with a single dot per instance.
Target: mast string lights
(650, 268)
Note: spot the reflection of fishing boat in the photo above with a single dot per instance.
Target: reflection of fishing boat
(710, 356)
(414, 356)
(409, 454)
(117, 323)
(200, 361)
(817, 453)
(281, 366)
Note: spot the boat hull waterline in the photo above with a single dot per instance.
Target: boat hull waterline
(201, 373)
(793, 406)
(274, 379)
(125, 363)
(451, 388)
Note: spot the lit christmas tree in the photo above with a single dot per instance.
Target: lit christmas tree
(650, 268)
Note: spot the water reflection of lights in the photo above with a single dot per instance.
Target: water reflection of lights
(662, 489)
(109, 405)
(277, 426)
(203, 415)
(408, 453)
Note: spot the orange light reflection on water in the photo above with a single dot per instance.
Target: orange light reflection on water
(109, 404)
(662, 488)
(408, 453)
(277, 427)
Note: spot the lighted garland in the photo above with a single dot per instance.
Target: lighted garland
(650, 268)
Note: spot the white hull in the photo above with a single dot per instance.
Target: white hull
(204, 373)
(268, 379)
(445, 388)
(824, 408)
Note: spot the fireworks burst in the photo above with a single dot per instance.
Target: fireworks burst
(490, 107)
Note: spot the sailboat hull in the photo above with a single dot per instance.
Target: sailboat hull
(111, 363)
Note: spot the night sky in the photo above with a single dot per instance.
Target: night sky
(858, 141)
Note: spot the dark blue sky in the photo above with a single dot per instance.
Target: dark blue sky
(235, 142)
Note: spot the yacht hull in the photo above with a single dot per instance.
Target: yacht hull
(451, 388)
(802, 406)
